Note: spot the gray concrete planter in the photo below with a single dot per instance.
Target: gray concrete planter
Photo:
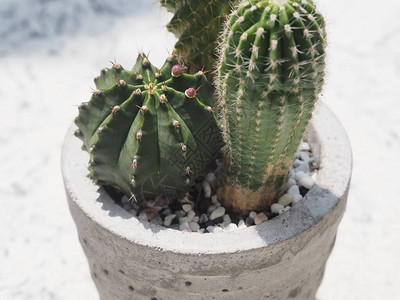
(280, 259)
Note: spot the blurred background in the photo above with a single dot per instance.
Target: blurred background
(50, 50)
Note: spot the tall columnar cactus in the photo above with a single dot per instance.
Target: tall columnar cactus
(149, 131)
(270, 73)
(197, 24)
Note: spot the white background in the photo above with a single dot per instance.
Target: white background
(51, 50)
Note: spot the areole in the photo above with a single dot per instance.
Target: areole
(281, 259)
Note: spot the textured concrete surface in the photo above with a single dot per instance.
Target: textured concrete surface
(44, 76)
(283, 258)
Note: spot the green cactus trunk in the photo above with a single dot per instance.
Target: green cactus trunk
(270, 73)
(148, 131)
(197, 24)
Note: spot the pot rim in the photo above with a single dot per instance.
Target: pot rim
(328, 139)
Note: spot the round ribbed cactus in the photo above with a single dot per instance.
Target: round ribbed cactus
(270, 73)
(149, 131)
(197, 25)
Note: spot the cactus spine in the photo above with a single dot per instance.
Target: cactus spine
(149, 131)
(197, 24)
(270, 73)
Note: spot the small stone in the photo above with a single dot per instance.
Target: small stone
(124, 199)
(184, 225)
(214, 199)
(217, 229)
(206, 189)
(252, 214)
(180, 213)
(186, 207)
(133, 212)
(183, 220)
(201, 230)
(249, 221)
(314, 176)
(210, 228)
(291, 182)
(186, 230)
(304, 156)
(285, 200)
(241, 224)
(168, 219)
(231, 227)
(157, 220)
(211, 178)
(218, 220)
(260, 218)
(194, 226)
(299, 175)
(294, 190)
(166, 212)
(143, 216)
(196, 219)
(305, 146)
(306, 181)
(275, 208)
(190, 215)
(227, 219)
(174, 226)
(127, 206)
(218, 212)
(297, 163)
(211, 208)
(292, 173)
(296, 198)
(304, 167)
(203, 218)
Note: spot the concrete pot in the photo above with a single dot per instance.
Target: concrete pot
(283, 258)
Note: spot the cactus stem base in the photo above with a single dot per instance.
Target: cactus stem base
(242, 200)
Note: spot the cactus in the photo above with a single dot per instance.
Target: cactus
(197, 25)
(270, 73)
(149, 131)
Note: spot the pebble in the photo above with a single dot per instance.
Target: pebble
(168, 219)
(124, 199)
(304, 156)
(299, 175)
(203, 218)
(143, 216)
(211, 208)
(157, 220)
(276, 208)
(181, 213)
(218, 212)
(291, 182)
(196, 219)
(241, 224)
(305, 146)
(297, 163)
(285, 200)
(127, 206)
(260, 218)
(190, 215)
(210, 228)
(214, 199)
(294, 190)
(306, 181)
(231, 227)
(296, 198)
(183, 220)
(184, 225)
(166, 212)
(206, 189)
(252, 214)
(133, 212)
(194, 226)
(249, 221)
(186, 207)
(211, 178)
(227, 219)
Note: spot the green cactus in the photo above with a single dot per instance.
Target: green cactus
(270, 73)
(197, 24)
(149, 132)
